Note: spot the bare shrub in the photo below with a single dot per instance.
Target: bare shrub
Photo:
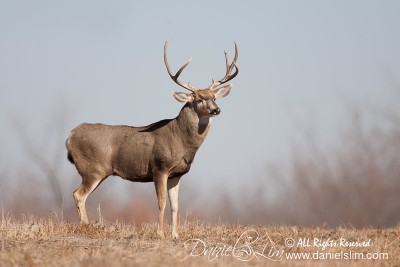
(37, 183)
(356, 182)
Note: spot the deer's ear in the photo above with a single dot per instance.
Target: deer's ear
(183, 97)
(223, 91)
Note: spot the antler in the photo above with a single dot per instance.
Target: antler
(175, 77)
(229, 69)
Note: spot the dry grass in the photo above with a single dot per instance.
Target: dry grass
(32, 241)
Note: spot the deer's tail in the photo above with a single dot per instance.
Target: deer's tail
(69, 156)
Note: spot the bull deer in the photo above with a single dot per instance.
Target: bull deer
(161, 152)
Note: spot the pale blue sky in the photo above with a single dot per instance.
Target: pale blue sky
(298, 60)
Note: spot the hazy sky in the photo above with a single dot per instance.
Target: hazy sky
(102, 61)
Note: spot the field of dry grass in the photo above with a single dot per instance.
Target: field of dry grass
(32, 241)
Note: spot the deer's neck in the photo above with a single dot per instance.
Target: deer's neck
(194, 129)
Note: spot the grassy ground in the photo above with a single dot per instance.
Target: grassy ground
(30, 241)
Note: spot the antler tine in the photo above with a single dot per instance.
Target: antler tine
(229, 69)
(226, 59)
(236, 53)
(176, 76)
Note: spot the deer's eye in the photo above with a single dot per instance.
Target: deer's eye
(199, 101)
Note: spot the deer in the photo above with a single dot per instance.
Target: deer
(161, 152)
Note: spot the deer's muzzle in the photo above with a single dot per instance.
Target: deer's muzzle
(216, 111)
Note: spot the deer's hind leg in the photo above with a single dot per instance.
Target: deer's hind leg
(88, 185)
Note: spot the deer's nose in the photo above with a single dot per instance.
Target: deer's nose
(216, 111)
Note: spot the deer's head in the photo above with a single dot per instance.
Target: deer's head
(203, 100)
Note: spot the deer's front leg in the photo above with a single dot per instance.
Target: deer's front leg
(160, 182)
(173, 189)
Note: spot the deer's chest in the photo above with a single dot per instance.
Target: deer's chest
(182, 167)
